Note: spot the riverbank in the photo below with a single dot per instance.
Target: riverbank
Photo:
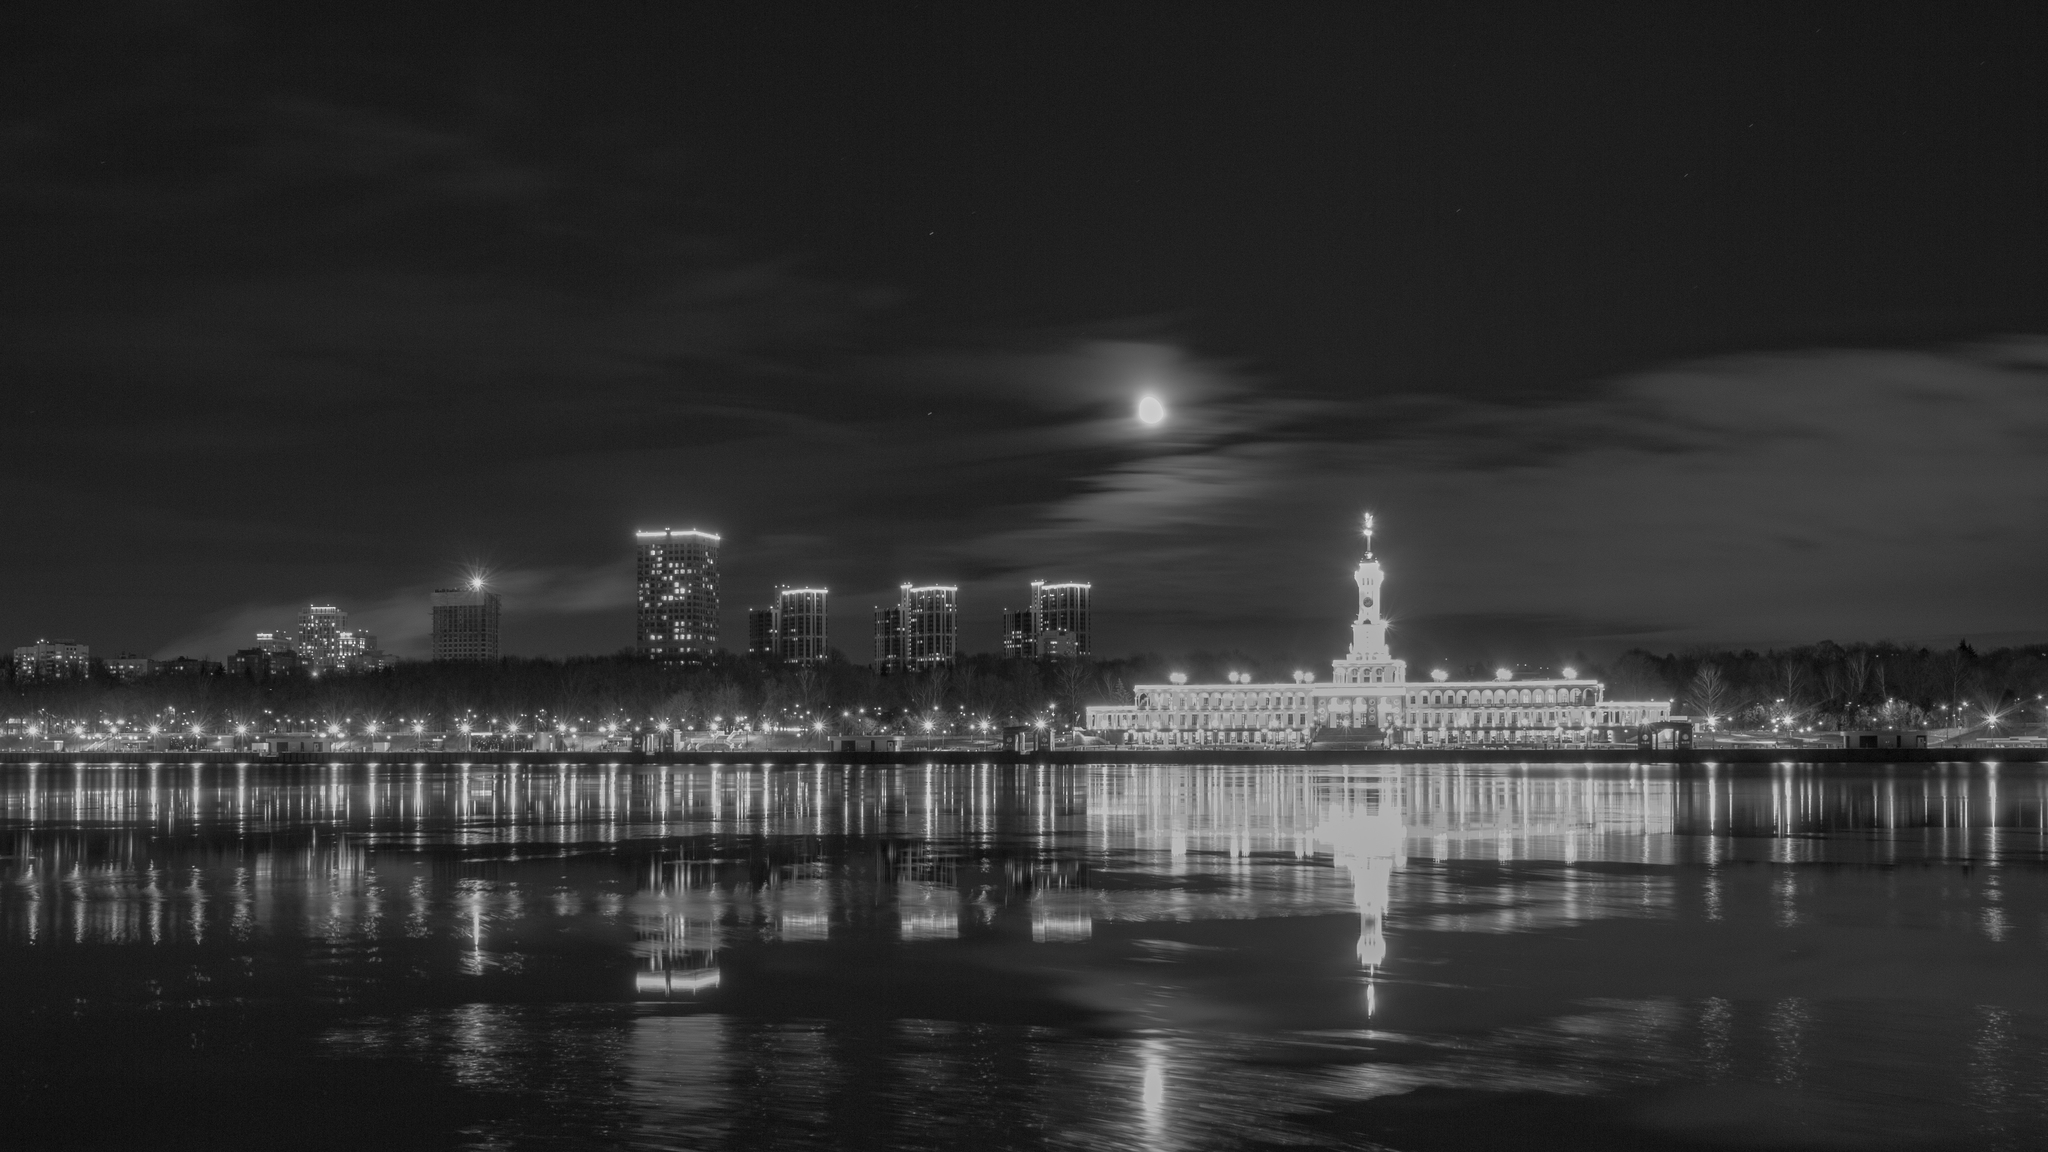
(1246, 757)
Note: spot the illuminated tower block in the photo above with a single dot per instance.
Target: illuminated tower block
(800, 624)
(678, 581)
(465, 622)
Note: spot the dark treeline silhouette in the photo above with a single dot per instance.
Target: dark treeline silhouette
(1823, 685)
(589, 693)
(1830, 685)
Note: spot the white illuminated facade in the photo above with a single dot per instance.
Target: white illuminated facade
(1369, 698)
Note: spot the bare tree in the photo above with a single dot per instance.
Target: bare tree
(1070, 684)
(928, 695)
(809, 689)
(1711, 693)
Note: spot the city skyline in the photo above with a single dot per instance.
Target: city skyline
(931, 576)
(465, 621)
(1751, 357)
(1456, 641)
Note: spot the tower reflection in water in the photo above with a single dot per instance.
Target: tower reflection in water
(1124, 955)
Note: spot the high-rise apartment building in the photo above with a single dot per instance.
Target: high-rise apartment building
(325, 642)
(1057, 623)
(466, 622)
(801, 630)
(1061, 617)
(792, 627)
(761, 632)
(889, 638)
(921, 631)
(678, 578)
(52, 660)
(1019, 641)
(319, 636)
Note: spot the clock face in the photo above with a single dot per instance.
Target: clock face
(1368, 601)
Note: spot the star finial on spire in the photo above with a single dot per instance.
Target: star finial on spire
(1368, 535)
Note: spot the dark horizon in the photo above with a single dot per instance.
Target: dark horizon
(1635, 328)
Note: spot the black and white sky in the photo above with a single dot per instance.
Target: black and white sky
(1635, 324)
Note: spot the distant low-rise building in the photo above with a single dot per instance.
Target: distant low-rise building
(47, 660)
(261, 664)
(128, 667)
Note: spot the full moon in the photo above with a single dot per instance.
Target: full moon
(1150, 410)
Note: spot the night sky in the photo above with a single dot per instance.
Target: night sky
(1635, 325)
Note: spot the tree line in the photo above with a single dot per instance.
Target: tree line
(1825, 685)
(1830, 685)
(622, 691)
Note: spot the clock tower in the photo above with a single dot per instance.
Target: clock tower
(1370, 661)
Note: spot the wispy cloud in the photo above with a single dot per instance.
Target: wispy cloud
(1838, 491)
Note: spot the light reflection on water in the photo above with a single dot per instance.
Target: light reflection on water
(1028, 956)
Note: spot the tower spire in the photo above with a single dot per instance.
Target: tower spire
(1368, 535)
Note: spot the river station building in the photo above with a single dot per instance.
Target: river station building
(1369, 699)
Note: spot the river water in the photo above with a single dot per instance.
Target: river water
(1156, 957)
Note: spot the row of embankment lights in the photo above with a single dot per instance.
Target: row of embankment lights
(1309, 677)
(511, 727)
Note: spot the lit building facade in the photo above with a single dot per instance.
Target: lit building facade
(1370, 698)
(931, 625)
(128, 666)
(465, 623)
(52, 660)
(922, 630)
(678, 584)
(801, 623)
(1059, 622)
(1018, 641)
(325, 643)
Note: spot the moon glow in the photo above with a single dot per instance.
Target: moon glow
(1150, 410)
